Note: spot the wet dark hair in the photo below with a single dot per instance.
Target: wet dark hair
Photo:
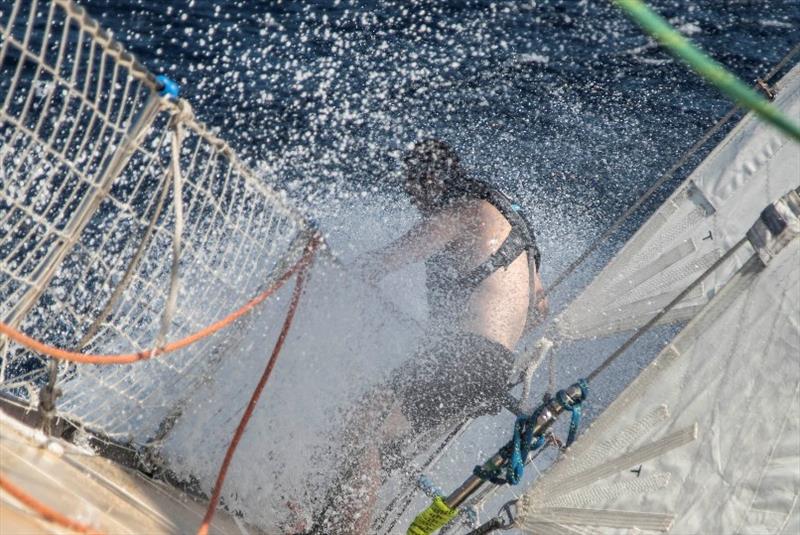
(436, 160)
(434, 171)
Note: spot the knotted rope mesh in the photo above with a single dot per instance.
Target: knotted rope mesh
(88, 222)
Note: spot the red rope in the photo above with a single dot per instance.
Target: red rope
(44, 511)
(212, 505)
(128, 358)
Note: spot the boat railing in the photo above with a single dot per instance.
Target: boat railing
(124, 221)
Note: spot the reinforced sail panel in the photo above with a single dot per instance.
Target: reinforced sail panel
(752, 167)
(707, 438)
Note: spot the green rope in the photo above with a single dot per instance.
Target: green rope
(706, 67)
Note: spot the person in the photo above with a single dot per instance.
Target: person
(484, 292)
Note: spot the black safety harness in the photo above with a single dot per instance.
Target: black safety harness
(520, 239)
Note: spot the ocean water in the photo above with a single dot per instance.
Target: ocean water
(565, 105)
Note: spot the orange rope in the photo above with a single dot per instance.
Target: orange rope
(127, 358)
(46, 512)
(287, 322)
(300, 268)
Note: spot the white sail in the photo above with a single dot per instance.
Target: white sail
(733, 373)
(753, 166)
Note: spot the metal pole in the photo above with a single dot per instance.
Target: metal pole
(545, 419)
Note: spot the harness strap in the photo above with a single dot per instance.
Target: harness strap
(520, 239)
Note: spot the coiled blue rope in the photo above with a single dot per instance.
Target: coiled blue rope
(524, 442)
(521, 448)
(574, 408)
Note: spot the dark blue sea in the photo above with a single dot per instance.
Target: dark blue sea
(566, 101)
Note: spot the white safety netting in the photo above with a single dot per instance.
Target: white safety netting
(88, 219)
(754, 165)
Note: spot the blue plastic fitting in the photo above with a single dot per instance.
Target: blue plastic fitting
(167, 87)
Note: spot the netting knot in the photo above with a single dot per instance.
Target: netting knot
(182, 113)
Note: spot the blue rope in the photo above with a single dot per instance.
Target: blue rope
(524, 441)
(428, 486)
(515, 468)
(575, 408)
(492, 476)
(521, 445)
(574, 422)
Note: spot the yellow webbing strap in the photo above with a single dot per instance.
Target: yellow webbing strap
(433, 518)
